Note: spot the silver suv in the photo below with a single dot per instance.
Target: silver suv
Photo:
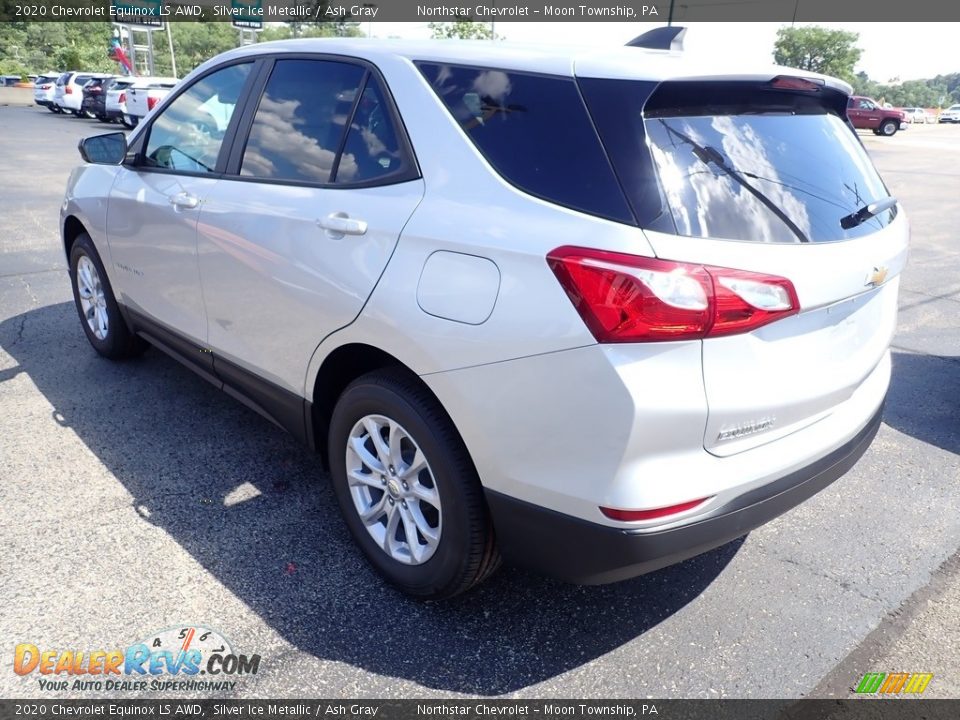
(594, 313)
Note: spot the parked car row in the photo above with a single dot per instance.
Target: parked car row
(101, 96)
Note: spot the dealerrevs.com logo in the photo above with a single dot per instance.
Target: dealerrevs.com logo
(176, 659)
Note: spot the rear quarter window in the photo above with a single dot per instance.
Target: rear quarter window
(535, 132)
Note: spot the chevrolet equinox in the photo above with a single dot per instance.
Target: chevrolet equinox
(590, 312)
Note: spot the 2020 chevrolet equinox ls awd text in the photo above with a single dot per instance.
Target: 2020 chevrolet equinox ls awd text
(593, 312)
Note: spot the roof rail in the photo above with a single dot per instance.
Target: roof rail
(661, 38)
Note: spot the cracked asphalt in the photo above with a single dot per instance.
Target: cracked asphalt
(135, 497)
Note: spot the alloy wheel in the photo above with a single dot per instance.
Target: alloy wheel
(393, 489)
(93, 300)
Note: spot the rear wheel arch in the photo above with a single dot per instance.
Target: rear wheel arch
(340, 368)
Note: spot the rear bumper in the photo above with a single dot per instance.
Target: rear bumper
(584, 552)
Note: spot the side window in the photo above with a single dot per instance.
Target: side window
(300, 121)
(372, 150)
(535, 131)
(188, 134)
(866, 105)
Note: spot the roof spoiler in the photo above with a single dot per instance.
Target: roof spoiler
(661, 38)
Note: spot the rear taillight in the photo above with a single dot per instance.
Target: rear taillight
(68, 90)
(151, 103)
(122, 98)
(627, 298)
(652, 514)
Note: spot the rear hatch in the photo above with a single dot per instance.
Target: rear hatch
(143, 97)
(118, 88)
(765, 176)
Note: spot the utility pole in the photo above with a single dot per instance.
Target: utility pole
(796, 5)
(670, 15)
(173, 59)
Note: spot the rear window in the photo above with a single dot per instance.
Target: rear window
(741, 164)
(535, 132)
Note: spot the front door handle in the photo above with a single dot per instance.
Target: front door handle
(184, 200)
(339, 224)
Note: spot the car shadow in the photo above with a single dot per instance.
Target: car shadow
(254, 509)
(924, 399)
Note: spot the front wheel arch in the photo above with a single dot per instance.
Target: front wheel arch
(72, 229)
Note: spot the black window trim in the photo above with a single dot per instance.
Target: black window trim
(242, 134)
(140, 145)
(630, 221)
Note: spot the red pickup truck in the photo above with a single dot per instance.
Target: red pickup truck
(867, 114)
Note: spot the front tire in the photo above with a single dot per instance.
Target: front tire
(99, 313)
(889, 128)
(407, 488)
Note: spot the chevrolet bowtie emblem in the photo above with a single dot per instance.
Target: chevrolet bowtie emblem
(876, 276)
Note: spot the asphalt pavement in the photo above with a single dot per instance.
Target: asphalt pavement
(134, 497)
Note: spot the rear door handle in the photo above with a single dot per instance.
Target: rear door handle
(339, 224)
(184, 200)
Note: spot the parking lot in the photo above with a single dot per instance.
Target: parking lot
(135, 498)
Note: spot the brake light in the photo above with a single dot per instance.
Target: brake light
(68, 90)
(151, 103)
(652, 514)
(122, 98)
(628, 298)
(785, 82)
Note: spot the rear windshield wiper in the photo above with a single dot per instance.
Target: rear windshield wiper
(867, 212)
(708, 155)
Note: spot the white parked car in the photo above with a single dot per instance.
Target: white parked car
(44, 88)
(951, 114)
(68, 93)
(916, 115)
(144, 95)
(115, 103)
(594, 312)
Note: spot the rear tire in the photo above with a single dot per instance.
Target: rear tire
(385, 425)
(96, 305)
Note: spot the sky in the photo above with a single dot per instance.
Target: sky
(908, 51)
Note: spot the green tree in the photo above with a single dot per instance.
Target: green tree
(818, 49)
(310, 30)
(463, 29)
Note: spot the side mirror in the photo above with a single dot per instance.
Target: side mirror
(109, 149)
